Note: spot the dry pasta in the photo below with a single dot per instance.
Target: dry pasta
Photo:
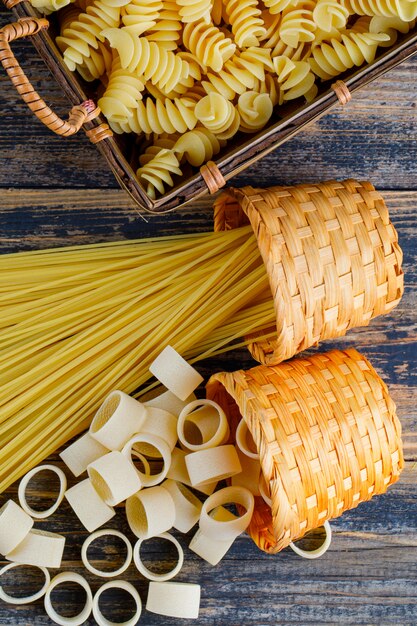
(82, 36)
(159, 58)
(69, 331)
(218, 115)
(208, 44)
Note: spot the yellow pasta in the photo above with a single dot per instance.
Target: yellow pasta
(157, 173)
(239, 73)
(295, 79)
(82, 36)
(297, 24)
(208, 44)
(404, 9)
(83, 321)
(330, 59)
(255, 109)
(141, 15)
(197, 146)
(147, 59)
(167, 30)
(244, 19)
(122, 95)
(163, 116)
(218, 115)
(329, 15)
(195, 10)
(249, 52)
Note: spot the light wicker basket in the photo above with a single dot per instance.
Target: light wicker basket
(239, 153)
(332, 257)
(327, 433)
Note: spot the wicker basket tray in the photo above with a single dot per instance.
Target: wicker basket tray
(327, 434)
(237, 156)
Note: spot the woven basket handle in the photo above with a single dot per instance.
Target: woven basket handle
(78, 115)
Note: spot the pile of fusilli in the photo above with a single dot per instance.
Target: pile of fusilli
(190, 74)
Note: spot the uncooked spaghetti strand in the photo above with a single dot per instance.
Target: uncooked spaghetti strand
(146, 375)
(21, 402)
(154, 288)
(55, 440)
(54, 380)
(57, 296)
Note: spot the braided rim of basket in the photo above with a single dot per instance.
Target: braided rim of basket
(365, 442)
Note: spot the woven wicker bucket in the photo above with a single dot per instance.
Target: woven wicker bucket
(327, 434)
(331, 253)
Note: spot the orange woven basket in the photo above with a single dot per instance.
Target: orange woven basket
(327, 434)
(332, 257)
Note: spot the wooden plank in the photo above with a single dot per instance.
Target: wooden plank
(375, 136)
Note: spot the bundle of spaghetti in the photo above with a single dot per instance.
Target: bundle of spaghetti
(82, 321)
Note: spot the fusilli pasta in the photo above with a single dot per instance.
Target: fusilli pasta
(404, 9)
(333, 58)
(141, 15)
(255, 109)
(82, 36)
(208, 44)
(157, 172)
(245, 21)
(187, 75)
(146, 58)
(197, 146)
(167, 30)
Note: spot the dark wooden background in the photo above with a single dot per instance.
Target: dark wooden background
(58, 192)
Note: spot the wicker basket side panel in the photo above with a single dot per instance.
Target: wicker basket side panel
(327, 433)
(331, 254)
(232, 391)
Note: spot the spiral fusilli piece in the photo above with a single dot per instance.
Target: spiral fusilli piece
(270, 86)
(122, 94)
(195, 10)
(276, 6)
(141, 15)
(255, 109)
(145, 58)
(197, 146)
(239, 73)
(404, 9)
(295, 79)
(245, 21)
(167, 30)
(49, 6)
(218, 115)
(390, 26)
(82, 36)
(163, 116)
(297, 24)
(157, 173)
(333, 58)
(330, 15)
(208, 44)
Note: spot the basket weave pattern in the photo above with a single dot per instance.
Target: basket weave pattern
(327, 433)
(332, 257)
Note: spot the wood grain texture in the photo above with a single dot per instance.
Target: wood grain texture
(59, 192)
